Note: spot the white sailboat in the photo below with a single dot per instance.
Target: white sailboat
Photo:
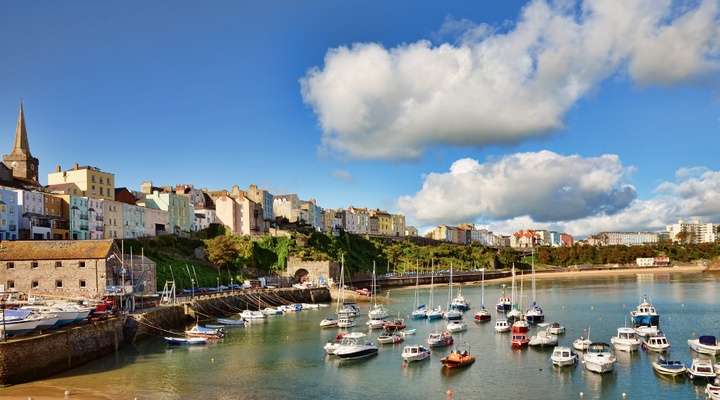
(332, 320)
(419, 312)
(433, 312)
(483, 315)
(451, 314)
(535, 314)
(378, 312)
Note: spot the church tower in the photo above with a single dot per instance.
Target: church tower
(23, 165)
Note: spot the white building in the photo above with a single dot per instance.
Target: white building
(203, 218)
(287, 206)
(96, 218)
(696, 232)
(623, 238)
(33, 223)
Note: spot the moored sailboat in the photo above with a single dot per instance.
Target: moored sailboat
(482, 315)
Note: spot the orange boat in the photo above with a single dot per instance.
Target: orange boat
(519, 340)
(458, 359)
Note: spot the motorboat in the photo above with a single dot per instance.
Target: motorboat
(556, 329)
(482, 315)
(521, 326)
(543, 339)
(460, 303)
(705, 345)
(185, 341)
(349, 309)
(599, 358)
(440, 339)
(645, 314)
(712, 390)
(64, 316)
(394, 325)
(502, 326)
(434, 314)
(626, 340)
(408, 332)
(203, 332)
(535, 315)
(504, 303)
(646, 330)
(231, 321)
(419, 313)
(519, 340)
(453, 315)
(249, 314)
(390, 338)
(669, 367)
(340, 339)
(308, 306)
(295, 307)
(701, 370)
(329, 322)
(563, 356)
(658, 343)
(581, 344)
(514, 315)
(345, 322)
(375, 324)
(458, 359)
(415, 353)
(14, 325)
(356, 350)
(456, 326)
(378, 312)
(269, 311)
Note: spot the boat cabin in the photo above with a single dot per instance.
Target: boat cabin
(657, 341)
(562, 352)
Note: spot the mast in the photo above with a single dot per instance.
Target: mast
(482, 290)
(450, 289)
(374, 287)
(533, 275)
(522, 278)
(341, 292)
(417, 282)
(432, 281)
(512, 287)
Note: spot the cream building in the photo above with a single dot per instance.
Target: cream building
(91, 181)
(240, 215)
(112, 219)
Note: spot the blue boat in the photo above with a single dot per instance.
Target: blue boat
(419, 313)
(645, 314)
(535, 315)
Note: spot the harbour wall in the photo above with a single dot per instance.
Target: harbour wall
(35, 357)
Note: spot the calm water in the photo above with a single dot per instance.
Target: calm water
(283, 357)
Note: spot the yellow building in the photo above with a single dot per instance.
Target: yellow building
(91, 181)
(385, 222)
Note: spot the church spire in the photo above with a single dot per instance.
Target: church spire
(21, 141)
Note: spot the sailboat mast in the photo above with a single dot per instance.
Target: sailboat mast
(533, 275)
(512, 287)
(417, 282)
(374, 288)
(341, 289)
(450, 289)
(432, 281)
(482, 290)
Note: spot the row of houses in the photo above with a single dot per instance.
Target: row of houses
(692, 232)
(530, 238)
(466, 234)
(364, 221)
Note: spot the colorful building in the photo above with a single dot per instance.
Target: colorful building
(96, 224)
(133, 218)
(177, 207)
(76, 209)
(112, 219)
(9, 214)
(56, 211)
(264, 198)
(91, 181)
(33, 223)
(240, 215)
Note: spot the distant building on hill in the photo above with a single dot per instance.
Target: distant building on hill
(622, 238)
(693, 232)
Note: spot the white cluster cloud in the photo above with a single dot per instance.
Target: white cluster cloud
(494, 85)
(544, 186)
(545, 190)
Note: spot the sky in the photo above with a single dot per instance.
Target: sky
(581, 116)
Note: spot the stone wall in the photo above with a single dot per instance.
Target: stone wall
(37, 357)
(316, 270)
(47, 274)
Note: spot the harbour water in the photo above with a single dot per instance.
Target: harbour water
(282, 358)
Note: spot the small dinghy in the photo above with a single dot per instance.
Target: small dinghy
(458, 359)
(456, 326)
(270, 311)
(204, 332)
(669, 367)
(563, 356)
(390, 338)
(712, 390)
(248, 314)
(701, 370)
(415, 353)
(408, 332)
(185, 341)
(329, 322)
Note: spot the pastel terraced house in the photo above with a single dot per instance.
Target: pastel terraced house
(178, 210)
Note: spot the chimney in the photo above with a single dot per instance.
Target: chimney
(58, 168)
(76, 166)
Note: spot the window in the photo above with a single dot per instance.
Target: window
(58, 284)
(34, 265)
(82, 264)
(10, 285)
(82, 283)
(35, 284)
(93, 178)
(10, 265)
(58, 264)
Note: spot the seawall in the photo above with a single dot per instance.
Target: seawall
(35, 357)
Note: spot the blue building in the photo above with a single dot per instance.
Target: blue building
(9, 214)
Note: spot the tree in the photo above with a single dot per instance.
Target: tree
(222, 251)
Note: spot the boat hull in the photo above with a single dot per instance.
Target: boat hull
(356, 354)
(600, 368)
(697, 347)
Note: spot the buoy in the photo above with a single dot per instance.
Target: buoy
(449, 394)
(582, 394)
(212, 360)
(67, 393)
(623, 395)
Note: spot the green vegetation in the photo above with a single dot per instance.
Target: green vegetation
(214, 255)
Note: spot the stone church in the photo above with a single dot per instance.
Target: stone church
(20, 168)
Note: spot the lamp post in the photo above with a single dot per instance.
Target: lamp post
(192, 288)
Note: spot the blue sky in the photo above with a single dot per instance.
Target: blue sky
(179, 92)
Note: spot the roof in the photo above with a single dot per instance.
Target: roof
(61, 187)
(20, 250)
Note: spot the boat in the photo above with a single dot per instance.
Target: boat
(701, 370)
(543, 339)
(415, 353)
(534, 315)
(563, 357)
(645, 314)
(658, 343)
(438, 339)
(14, 325)
(349, 309)
(459, 302)
(433, 313)
(482, 315)
(521, 326)
(456, 326)
(308, 306)
(556, 329)
(203, 332)
(705, 345)
(329, 322)
(452, 314)
(457, 359)
(712, 390)
(231, 321)
(185, 341)
(345, 322)
(626, 340)
(390, 338)
(356, 350)
(502, 326)
(419, 312)
(514, 314)
(249, 314)
(394, 325)
(375, 324)
(504, 303)
(519, 340)
(669, 367)
(378, 310)
(645, 331)
(599, 358)
(581, 343)
(408, 332)
(340, 339)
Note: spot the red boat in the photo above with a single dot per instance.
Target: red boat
(457, 359)
(482, 316)
(364, 292)
(520, 326)
(394, 325)
(519, 340)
